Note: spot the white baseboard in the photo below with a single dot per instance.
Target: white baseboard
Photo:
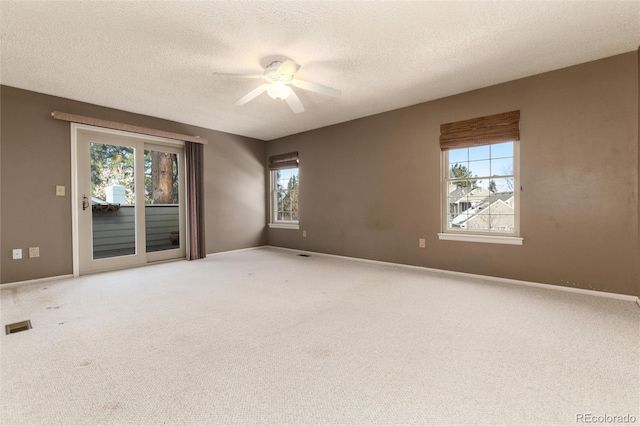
(61, 277)
(35, 281)
(485, 277)
(423, 268)
(237, 250)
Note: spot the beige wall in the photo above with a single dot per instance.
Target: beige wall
(36, 156)
(370, 187)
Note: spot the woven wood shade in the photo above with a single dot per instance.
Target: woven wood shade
(283, 161)
(497, 128)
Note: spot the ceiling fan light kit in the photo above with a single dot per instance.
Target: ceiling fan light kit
(278, 90)
(279, 76)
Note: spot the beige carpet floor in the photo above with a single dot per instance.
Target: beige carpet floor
(268, 337)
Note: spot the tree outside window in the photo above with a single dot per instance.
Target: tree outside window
(286, 195)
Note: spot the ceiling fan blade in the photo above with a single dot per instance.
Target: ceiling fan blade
(288, 67)
(228, 74)
(294, 102)
(252, 94)
(315, 87)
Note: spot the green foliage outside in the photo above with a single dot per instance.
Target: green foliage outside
(287, 197)
(112, 164)
(458, 171)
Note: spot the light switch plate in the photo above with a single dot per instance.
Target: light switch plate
(60, 190)
(17, 254)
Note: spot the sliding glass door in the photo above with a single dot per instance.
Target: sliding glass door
(129, 199)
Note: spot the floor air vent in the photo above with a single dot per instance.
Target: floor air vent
(305, 255)
(16, 327)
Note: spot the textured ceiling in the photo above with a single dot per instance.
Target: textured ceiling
(159, 58)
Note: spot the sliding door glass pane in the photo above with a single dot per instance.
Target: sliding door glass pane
(112, 202)
(162, 206)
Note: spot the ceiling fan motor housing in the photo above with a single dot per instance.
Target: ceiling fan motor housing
(271, 73)
(272, 68)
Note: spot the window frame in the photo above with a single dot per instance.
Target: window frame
(496, 237)
(273, 203)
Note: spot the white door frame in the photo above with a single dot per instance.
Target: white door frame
(76, 208)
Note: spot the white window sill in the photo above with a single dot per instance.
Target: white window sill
(492, 239)
(284, 225)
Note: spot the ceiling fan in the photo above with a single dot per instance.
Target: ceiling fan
(279, 77)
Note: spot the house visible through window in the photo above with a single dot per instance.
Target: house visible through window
(480, 189)
(285, 184)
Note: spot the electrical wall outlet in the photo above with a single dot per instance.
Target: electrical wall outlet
(60, 190)
(34, 251)
(304, 234)
(422, 243)
(17, 254)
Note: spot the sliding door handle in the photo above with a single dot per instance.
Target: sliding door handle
(85, 202)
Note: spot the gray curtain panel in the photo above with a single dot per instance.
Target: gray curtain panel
(194, 153)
